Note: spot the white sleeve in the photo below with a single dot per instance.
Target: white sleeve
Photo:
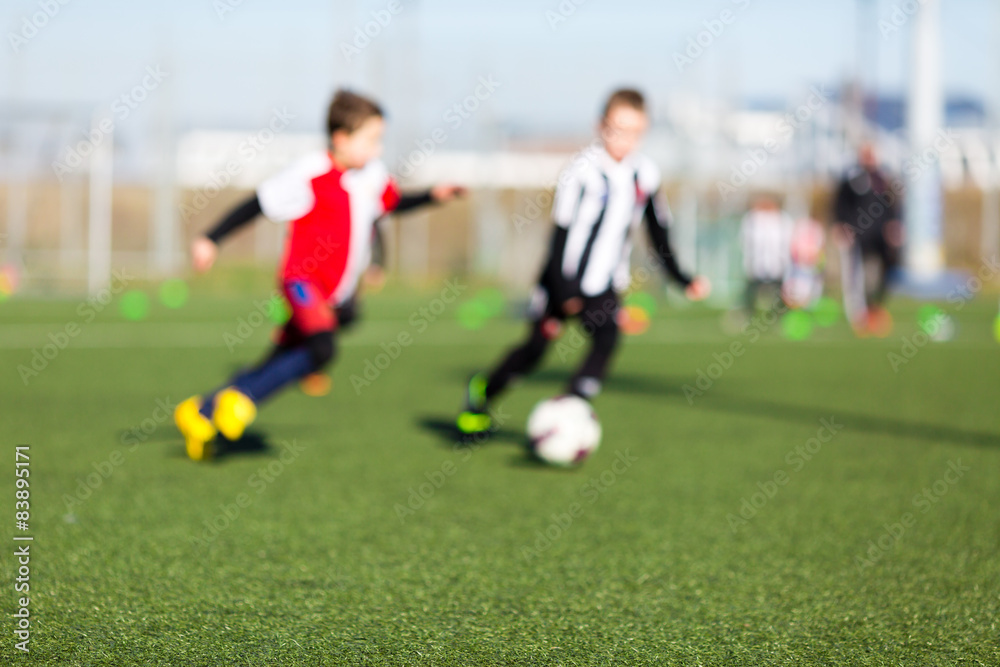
(569, 192)
(288, 195)
(649, 176)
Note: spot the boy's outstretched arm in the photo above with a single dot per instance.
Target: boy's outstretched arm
(658, 221)
(205, 248)
(437, 195)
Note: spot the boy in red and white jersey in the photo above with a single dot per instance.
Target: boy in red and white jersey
(331, 201)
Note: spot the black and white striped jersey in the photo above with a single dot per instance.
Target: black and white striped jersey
(767, 244)
(598, 204)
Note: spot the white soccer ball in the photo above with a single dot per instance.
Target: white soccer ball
(564, 431)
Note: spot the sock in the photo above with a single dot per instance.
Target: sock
(208, 402)
(278, 371)
(259, 383)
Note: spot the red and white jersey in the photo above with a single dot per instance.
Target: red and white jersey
(331, 214)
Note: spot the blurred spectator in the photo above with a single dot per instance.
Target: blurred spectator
(869, 233)
(766, 233)
(804, 283)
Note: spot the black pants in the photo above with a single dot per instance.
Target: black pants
(879, 259)
(599, 319)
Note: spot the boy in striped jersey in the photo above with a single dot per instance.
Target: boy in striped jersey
(602, 196)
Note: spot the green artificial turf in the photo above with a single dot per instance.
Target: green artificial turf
(373, 540)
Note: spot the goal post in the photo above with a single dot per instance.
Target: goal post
(100, 211)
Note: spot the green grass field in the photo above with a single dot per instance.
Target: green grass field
(365, 537)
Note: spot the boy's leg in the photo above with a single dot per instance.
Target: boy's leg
(208, 403)
(195, 416)
(348, 313)
(286, 365)
(546, 325)
(524, 358)
(307, 345)
(481, 389)
(600, 321)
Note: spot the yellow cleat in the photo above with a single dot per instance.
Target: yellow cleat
(197, 430)
(234, 411)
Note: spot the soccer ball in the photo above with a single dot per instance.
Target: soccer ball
(563, 431)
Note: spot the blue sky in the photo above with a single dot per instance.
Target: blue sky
(231, 71)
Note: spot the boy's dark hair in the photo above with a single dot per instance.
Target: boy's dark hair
(349, 111)
(625, 97)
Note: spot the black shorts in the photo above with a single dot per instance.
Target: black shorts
(597, 310)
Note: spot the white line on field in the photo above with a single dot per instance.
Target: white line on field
(151, 335)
